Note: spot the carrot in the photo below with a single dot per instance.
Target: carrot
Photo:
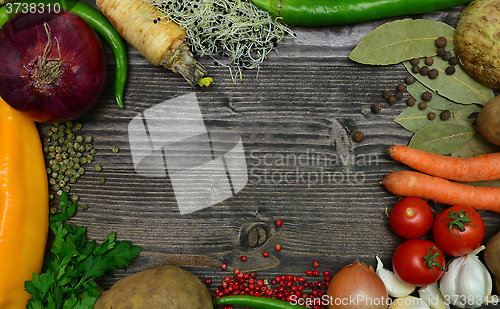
(161, 43)
(409, 183)
(480, 168)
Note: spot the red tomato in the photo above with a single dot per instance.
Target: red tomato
(411, 217)
(458, 230)
(418, 262)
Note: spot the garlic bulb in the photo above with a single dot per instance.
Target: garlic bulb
(409, 302)
(433, 297)
(467, 283)
(394, 286)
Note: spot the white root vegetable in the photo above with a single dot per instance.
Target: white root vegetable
(163, 43)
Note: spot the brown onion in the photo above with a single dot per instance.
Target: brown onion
(357, 286)
(53, 67)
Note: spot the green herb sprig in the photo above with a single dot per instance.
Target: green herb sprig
(72, 264)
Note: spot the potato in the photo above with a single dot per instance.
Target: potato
(166, 287)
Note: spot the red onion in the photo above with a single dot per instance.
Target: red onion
(52, 80)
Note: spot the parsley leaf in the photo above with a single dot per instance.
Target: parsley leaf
(72, 264)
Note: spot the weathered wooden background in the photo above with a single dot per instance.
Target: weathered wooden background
(299, 103)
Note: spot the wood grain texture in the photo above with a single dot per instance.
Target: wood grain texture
(287, 110)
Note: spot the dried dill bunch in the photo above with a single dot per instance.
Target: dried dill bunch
(237, 29)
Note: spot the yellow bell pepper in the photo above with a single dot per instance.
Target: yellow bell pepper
(24, 206)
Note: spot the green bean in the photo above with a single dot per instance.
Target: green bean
(94, 18)
(340, 12)
(255, 302)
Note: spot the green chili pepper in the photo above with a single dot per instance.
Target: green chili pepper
(339, 12)
(255, 302)
(93, 17)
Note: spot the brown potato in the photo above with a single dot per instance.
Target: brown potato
(488, 121)
(166, 287)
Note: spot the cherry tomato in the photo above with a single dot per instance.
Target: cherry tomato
(411, 217)
(458, 230)
(418, 262)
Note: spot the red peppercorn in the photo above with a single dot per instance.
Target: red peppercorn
(224, 266)
(315, 263)
(243, 258)
(260, 282)
(246, 275)
(328, 278)
(265, 254)
(277, 248)
(315, 273)
(279, 223)
(236, 271)
(283, 277)
(289, 278)
(319, 284)
(208, 281)
(309, 272)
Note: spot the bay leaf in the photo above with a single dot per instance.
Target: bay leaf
(401, 40)
(438, 102)
(475, 147)
(491, 183)
(459, 87)
(413, 119)
(442, 138)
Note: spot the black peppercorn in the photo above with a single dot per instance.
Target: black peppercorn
(453, 60)
(427, 96)
(409, 79)
(392, 100)
(386, 94)
(441, 51)
(441, 42)
(422, 105)
(433, 74)
(358, 136)
(445, 115)
(411, 101)
(429, 61)
(447, 56)
(424, 70)
(450, 70)
(431, 116)
(415, 61)
(401, 87)
(376, 107)
(399, 95)
(415, 69)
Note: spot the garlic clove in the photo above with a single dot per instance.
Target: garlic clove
(394, 286)
(433, 297)
(409, 302)
(467, 283)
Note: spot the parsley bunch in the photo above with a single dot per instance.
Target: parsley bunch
(70, 267)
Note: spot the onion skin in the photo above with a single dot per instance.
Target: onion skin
(357, 286)
(23, 40)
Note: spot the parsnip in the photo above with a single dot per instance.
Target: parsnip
(161, 43)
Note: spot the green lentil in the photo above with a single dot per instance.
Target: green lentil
(98, 168)
(116, 149)
(101, 180)
(84, 206)
(78, 126)
(75, 198)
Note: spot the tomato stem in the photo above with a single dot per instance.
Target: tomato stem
(430, 259)
(458, 220)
